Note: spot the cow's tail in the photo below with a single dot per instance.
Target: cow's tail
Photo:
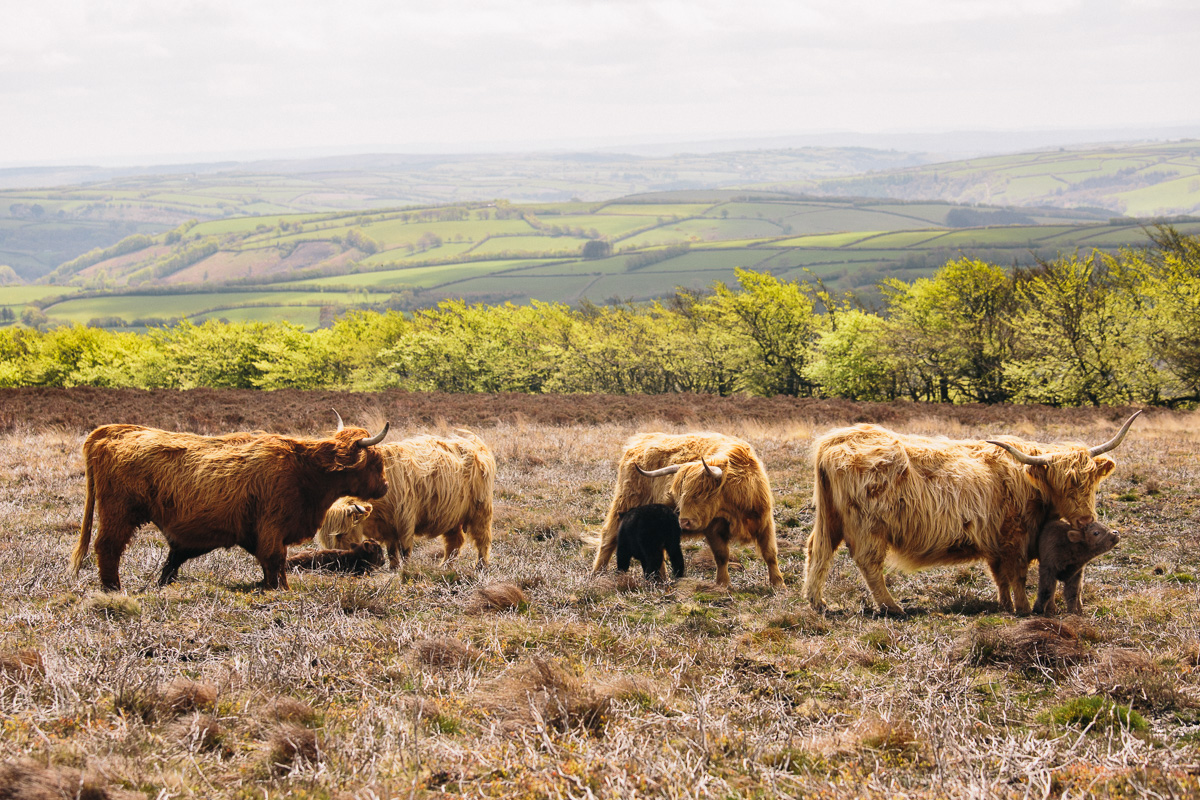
(85, 528)
(825, 537)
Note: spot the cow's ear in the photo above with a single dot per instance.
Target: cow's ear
(1038, 472)
(1104, 467)
(1074, 535)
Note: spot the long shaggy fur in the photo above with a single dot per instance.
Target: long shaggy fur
(259, 491)
(436, 487)
(921, 502)
(358, 560)
(736, 507)
(342, 523)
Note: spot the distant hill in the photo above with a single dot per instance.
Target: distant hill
(1136, 180)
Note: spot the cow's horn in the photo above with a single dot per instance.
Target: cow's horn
(716, 472)
(339, 419)
(377, 438)
(1112, 443)
(1024, 458)
(654, 473)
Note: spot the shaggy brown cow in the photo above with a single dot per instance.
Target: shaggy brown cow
(925, 501)
(261, 492)
(342, 522)
(719, 487)
(436, 487)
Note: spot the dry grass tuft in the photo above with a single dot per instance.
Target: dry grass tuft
(200, 732)
(1132, 677)
(497, 597)
(25, 779)
(289, 710)
(22, 664)
(1035, 642)
(361, 598)
(183, 694)
(544, 694)
(872, 732)
(113, 606)
(444, 651)
(291, 745)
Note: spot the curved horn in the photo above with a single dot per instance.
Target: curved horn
(339, 419)
(716, 472)
(1114, 442)
(654, 473)
(1024, 458)
(377, 438)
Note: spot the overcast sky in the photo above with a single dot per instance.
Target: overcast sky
(134, 80)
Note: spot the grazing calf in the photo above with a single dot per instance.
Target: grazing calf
(342, 522)
(1062, 553)
(261, 492)
(358, 560)
(644, 533)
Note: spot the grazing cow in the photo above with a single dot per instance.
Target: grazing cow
(358, 560)
(342, 522)
(718, 485)
(259, 491)
(925, 501)
(1062, 552)
(436, 487)
(644, 533)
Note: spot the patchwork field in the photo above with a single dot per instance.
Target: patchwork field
(534, 678)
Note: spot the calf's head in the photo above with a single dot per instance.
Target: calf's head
(695, 491)
(1063, 545)
(1070, 474)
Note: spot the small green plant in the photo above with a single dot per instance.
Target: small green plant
(1097, 713)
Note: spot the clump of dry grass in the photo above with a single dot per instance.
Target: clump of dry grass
(291, 744)
(22, 664)
(183, 694)
(1132, 677)
(497, 597)
(1034, 642)
(200, 732)
(112, 606)
(894, 735)
(444, 651)
(288, 710)
(544, 694)
(25, 779)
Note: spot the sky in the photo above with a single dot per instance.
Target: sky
(142, 81)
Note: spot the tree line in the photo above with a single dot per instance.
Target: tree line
(1081, 329)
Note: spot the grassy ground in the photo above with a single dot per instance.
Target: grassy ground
(535, 679)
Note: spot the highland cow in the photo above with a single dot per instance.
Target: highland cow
(436, 487)
(924, 502)
(342, 522)
(358, 560)
(261, 492)
(718, 486)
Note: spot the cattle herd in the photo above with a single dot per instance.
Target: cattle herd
(908, 500)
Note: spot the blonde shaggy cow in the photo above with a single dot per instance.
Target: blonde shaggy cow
(923, 502)
(342, 522)
(717, 483)
(436, 487)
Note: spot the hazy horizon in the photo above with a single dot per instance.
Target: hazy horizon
(136, 82)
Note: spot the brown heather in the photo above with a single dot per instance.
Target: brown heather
(386, 686)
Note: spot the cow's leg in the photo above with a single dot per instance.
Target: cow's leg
(1045, 595)
(393, 551)
(652, 560)
(769, 550)
(274, 575)
(1001, 577)
(176, 556)
(872, 572)
(479, 528)
(1018, 575)
(823, 542)
(675, 551)
(1072, 592)
(624, 554)
(452, 542)
(717, 535)
(116, 529)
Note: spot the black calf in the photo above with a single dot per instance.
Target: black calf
(644, 533)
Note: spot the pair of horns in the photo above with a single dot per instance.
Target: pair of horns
(1099, 449)
(369, 440)
(716, 472)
